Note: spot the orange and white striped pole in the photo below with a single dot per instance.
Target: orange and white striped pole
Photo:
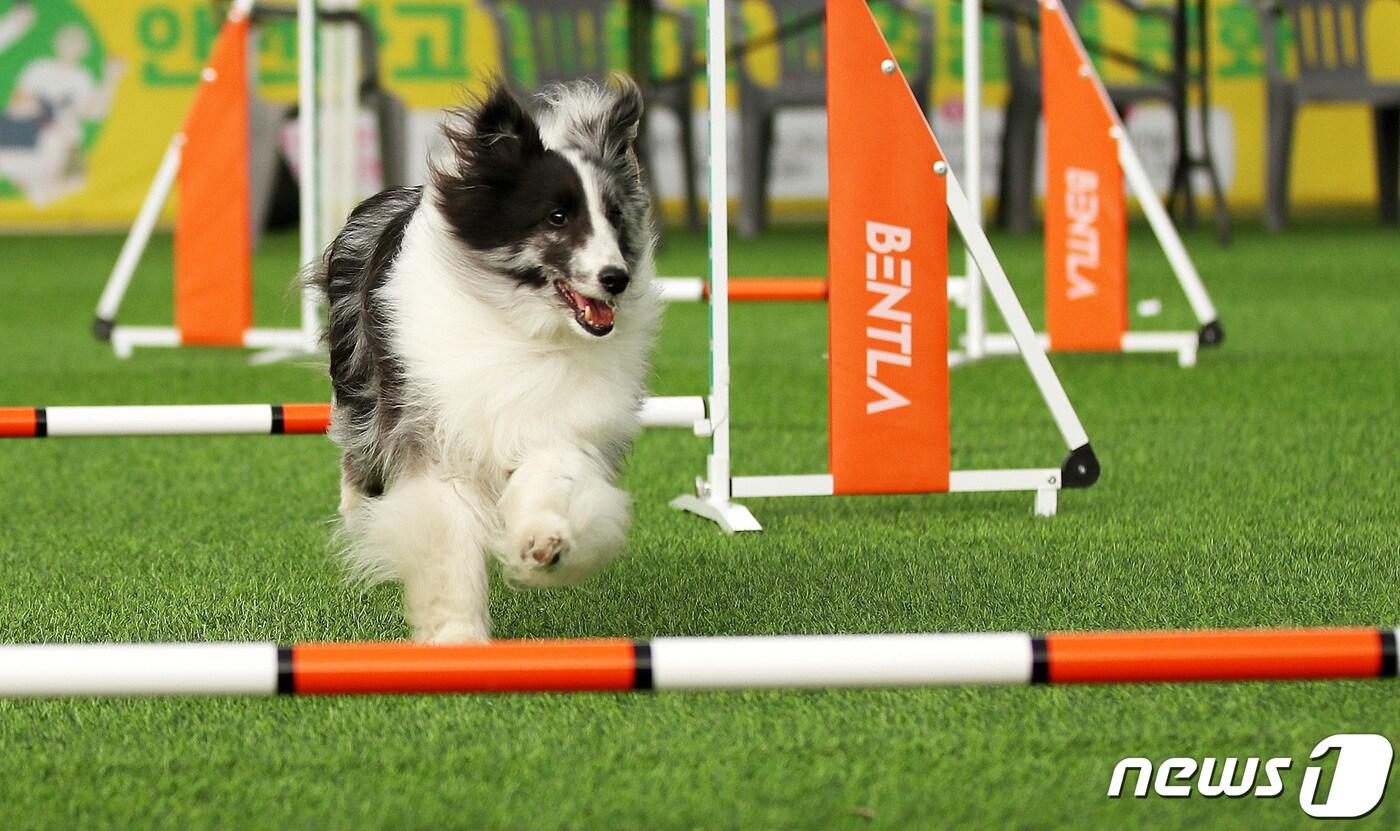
(745, 289)
(727, 663)
(243, 419)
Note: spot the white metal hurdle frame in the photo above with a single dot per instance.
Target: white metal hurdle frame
(279, 341)
(977, 342)
(715, 491)
(712, 497)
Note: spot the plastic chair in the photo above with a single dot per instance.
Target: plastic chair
(1329, 53)
(801, 82)
(1016, 180)
(273, 184)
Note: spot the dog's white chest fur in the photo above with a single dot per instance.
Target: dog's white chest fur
(503, 385)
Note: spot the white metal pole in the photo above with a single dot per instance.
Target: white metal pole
(965, 215)
(717, 80)
(110, 302)
(1165, 231)
(972, 169)
(307, 26)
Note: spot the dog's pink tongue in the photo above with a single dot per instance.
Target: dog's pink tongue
(599, 313)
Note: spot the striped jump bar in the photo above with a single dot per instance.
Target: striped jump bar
(728, 663)
(242, 419)
(745, 289)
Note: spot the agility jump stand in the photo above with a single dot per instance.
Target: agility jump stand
(1088, 154)
(245, 419)
(210, 160)
(888, 304)
(723, 663)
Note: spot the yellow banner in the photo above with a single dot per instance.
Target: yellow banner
(91, 90)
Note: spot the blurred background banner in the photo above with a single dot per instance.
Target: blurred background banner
(91, 91)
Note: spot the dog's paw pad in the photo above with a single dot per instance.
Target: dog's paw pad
(545, 549)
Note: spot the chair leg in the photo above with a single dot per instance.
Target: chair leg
(1003, 210)
(751, 151)
(644, 150)
(1282, 109)
(1387, 122)
(765, 173)
(1016, 182)
(692, 196)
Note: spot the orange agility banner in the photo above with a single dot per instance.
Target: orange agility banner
(1086, 255)
(213, 234)
(888, 270)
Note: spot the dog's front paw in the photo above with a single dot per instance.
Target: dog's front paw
(543, 542)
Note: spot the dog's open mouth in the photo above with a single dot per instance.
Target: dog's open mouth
(594, 316)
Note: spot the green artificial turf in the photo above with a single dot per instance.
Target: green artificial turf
(1259, 488)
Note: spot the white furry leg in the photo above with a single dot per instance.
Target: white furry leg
(564, 519)
(431, 533)
(351, 498)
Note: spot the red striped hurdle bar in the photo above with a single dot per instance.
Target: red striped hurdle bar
(243, 419)
(730, 663)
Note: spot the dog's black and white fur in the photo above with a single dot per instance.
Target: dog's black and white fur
(489, 336)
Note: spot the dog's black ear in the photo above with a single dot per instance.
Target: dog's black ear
(494, 144)
(498, 132)
(624, 117)
(503, 119)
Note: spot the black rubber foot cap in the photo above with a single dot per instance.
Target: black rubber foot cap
(102, 329)
(1212, 334)
(1081, 468)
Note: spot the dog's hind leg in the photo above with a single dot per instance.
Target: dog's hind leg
(430, 532)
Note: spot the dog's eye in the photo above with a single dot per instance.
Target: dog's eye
(558, 218)
(615, 216)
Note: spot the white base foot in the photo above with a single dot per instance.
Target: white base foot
(1046, 502)
(729, 516)
(1186, 358)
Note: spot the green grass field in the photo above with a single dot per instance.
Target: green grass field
(1256, 489)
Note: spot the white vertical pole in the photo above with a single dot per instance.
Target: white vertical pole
(717, 80)
(306, 145)
(972, 168)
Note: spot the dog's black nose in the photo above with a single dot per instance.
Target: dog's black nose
(614, 279)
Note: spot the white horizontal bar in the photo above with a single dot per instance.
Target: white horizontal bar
(138, 669)
(126, 338)
(679, 411)
(959, 481)
(1160, 341)
(159, 420)
(981, 481)
(673, 411)
(681, 289)
(761, 486)
(840, 661)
